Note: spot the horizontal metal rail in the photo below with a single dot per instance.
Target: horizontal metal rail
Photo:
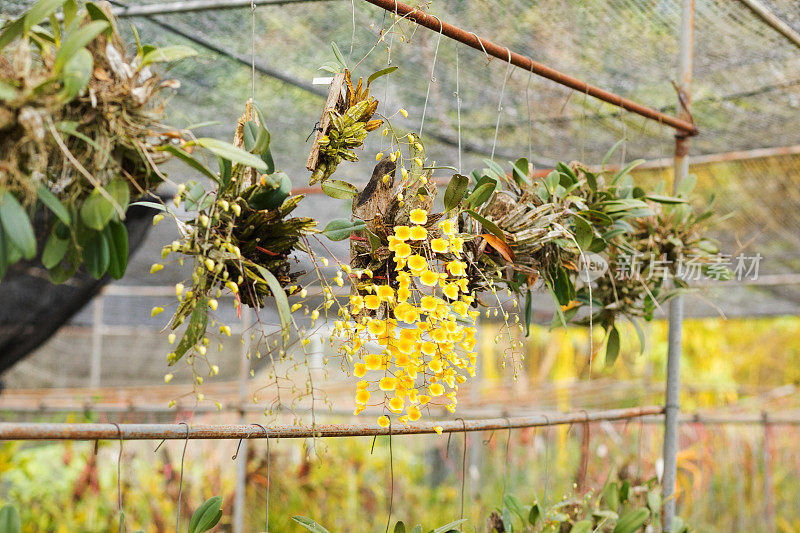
(501, 52)
(190, 6)
(73, 432)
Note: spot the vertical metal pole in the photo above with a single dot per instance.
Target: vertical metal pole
(769, 491)
(95, 369)
(241, 463)
(672, 408)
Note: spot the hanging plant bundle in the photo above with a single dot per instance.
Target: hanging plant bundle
(409, 329)
(346, 121)
(79, 123)
(551, 229)
(243, 236)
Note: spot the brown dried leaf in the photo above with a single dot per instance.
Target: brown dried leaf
(501, 247)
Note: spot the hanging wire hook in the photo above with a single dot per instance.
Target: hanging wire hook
(235, 455)
(180, 483)
(546, 457)
(266, 436)
(458, 108)
(432, 79)
(530, 115)
(463, 469)
(391, 479)
(500, 103)
(119, 478)
(488, 57)
(505, 469)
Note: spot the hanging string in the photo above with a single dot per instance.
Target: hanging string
(463, 469)
(432, 79)
(353, 35)
(253, 50)
(505, 469)
(458, 108)
(180, 483)
(119, 480)
(500, 102)
(391, 479)
(530, 114)
(266, 436)
(546, 458)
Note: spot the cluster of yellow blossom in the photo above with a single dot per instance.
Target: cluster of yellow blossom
(421, 317)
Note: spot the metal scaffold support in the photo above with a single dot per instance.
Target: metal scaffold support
(672, 405)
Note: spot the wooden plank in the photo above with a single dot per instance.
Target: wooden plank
(334, 94)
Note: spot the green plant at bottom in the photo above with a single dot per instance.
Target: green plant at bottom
(399, 527)
(204, 518)
(619, 508)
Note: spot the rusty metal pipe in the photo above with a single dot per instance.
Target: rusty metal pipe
(501, 52)
(45, 431)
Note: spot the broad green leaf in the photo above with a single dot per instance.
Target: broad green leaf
(610, 153)
(4, 244)
(625, 171)
(206, 516)
(686, 186)
(225, 171)
(612, 346)
(338, 54)
(9, 519)
(77, 40)
(536, 514)
(339, 189)
(184, 156)
(53, 204)
(632, 521)
(399, 527)
(528, 312)
(639, 333)
(309, 524)
(583, 233)
(448, 527)
(17, 225)
(11, 31)
(654, 501)
(374, 240)
(256, 138)
(40, 11)
(70, 10)
(54, 251)
(95, 12)
(382, 72)
(116, 234)
(77, 73)
(195, 331)
(272, 198)
(168, 54)
(340, 229)
(230, 152)
(563, 287)
(7, 92)
(96, 255)
(455, 191)
(566, 172)
(662, 199)
(519, 171)
(488, 225)
(97, 210)
(60, 273)
(151, 205)
(281, 302)
(610, 496)
(584, 526)
(481, 194)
